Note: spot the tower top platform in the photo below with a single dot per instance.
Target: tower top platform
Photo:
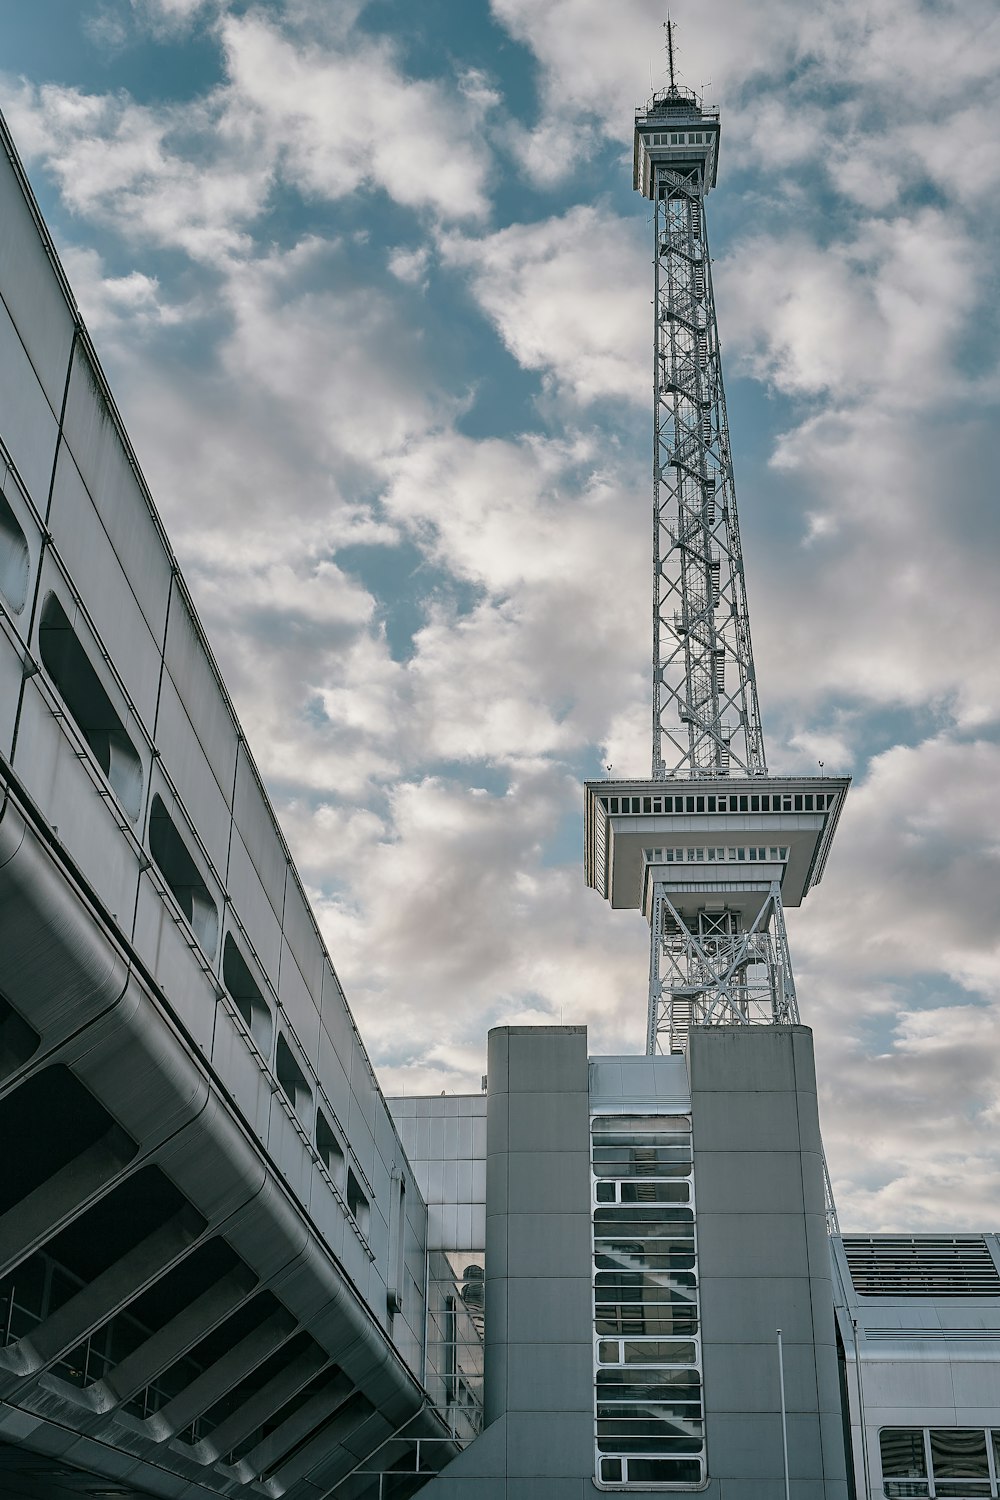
(712, 842)
(673, 130)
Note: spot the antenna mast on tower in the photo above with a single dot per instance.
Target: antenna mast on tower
(711, 848)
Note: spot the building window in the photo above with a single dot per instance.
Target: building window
(330, 1150)
(939, 1462)
(80, 688)
(292, 1079)
(174, 862)
(357, 1202)
(246, 995)
(648, 1399)
(14, 558)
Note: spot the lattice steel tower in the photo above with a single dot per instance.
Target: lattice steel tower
(712, 848)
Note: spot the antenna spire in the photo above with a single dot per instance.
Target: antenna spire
(668, 27)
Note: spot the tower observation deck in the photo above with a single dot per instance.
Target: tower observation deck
(712, 847)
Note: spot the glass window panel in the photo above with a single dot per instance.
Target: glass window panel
(899, 1489)
(902, 1452)
(959, 1453)
(655, 1385)
(658, 1257)
(962, 1487)
(654, 1443)
(659, 1353)
(644, 1407)
(605, 1192)
(664, 1220)
(631, 1319)
(630, 1125)
(655, 1192)
(611, 1470)
(609, 1353)
(663, 1471)
(641, 1163)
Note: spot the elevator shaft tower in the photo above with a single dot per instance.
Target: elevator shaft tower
(712, 848)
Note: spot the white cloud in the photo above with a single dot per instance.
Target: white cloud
(568, 297)
(328, 114)
(343, 120)
(882, 312)
(296, 387)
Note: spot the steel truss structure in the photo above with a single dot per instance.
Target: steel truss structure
(706, 719)
(705, 968)
(717, 974)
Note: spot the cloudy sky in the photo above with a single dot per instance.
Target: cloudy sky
(373, 292)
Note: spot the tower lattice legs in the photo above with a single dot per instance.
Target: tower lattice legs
(717, 973)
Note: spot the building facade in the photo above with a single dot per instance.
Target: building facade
(228, 1265)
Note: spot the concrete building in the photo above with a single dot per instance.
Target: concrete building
(228, 1265)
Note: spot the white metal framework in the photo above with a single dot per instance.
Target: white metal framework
(716, 971)
(649, 1408)
(705, 713)
(713, 961)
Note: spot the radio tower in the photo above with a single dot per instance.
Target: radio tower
(712, 848)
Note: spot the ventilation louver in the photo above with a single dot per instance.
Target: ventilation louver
(921, 1266)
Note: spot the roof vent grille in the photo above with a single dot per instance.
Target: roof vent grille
(921, 1266)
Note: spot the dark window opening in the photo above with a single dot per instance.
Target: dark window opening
(18, 1040)
(292, 1079)
(15, 559)
(80, 688)
(54, 1119)
(357, 1202)
(206, 1268)
(330, 1150)
(100, 1237)
(246, 995)
(177, 1377)
(172, 859)
(348, 1414)
(300, 1349)
(330, 1382)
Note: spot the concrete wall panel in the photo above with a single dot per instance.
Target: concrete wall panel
(241, 1071)
(259, 835)
(11, 673)
(300, 934)
(299, 1006)
(287, 1149)
(255, 911)
(31, 292)
(117, 494)
(27, 424)
(335, 1085)
(86, 552)
(59, 774)
(186, 764)
(17, 586)
(177, 962)
(201, 693)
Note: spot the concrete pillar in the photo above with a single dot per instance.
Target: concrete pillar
(764, 1262)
